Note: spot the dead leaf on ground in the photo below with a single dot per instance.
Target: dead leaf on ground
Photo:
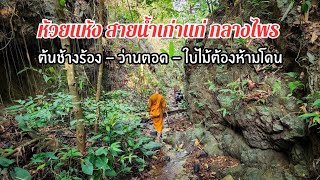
(196, 142)
(314, 37)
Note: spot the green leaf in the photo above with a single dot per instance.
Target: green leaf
(316, 119)
(140, 160)
(224, 111)
(101, 150)
(102, 163)
(276, 87)
(20, 174)
(294, 85)
(62, 3)
(304, 8)
(131, 142)
(115, 147)
(41, 166)
(87, 167)
(212, 86)
(111, 173)
(199, 44)
(6, 162)
(287, 11)
(46, 78)
(171, 49)
(152, 145)
(292, 74)
(126, 169)
(14, 108)
(163, 51)
(307, 115)
(51, 69)
(148, 153)
(59, 165)
(316, 103)
(94, 137)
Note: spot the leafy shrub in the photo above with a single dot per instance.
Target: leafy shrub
(119, 148)
(42, 111)
(314, 115)
(294, 85)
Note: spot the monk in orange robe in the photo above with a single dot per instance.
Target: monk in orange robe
(156, 107)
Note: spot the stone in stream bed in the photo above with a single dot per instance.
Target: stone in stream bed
(196, 168)
(202, 154)
(153, 133)
(167, 158)
(211, 145)
(228, 177)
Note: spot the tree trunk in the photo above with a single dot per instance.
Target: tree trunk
(72, 84)
(100, 71)
(78, 114)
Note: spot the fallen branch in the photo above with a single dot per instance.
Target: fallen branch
(176, 111)
(169, 112)
(21, 146)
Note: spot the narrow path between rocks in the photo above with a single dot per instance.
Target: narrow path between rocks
(183, 155)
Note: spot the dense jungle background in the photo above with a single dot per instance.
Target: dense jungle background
(234, 122)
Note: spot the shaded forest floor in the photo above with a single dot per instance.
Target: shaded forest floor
(183, 158)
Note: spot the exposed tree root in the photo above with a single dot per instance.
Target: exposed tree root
(17, 149)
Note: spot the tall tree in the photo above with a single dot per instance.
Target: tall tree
(100, 71)
(72, 84)
(78, 113)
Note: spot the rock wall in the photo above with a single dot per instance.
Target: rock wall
(259, 125)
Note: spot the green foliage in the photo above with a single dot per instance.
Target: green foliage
(16, 174)
(313, 113)
(276, 87)
(230, 96)
(199, 105)
(53, 77)
(212, 86)
(294, 85)
(224, 112)
(119, 148)
(292, 74)
(5, 162)
(121, 130)
(42, 111)
(240, 41)
(316, 103)
(41, 157)
(305, 6)
(62, 3)
(20, 174)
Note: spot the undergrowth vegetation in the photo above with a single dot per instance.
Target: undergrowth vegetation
(120, 147)
(311, 110)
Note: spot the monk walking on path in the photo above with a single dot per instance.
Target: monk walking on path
(156, 107)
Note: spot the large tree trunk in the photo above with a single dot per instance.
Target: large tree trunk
(78, 114)
(72, 84)
(100, 72)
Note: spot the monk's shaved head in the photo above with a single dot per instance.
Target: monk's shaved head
(157, 89)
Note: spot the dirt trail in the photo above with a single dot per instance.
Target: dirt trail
(181, 157)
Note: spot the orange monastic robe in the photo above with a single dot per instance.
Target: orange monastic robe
(157, 104)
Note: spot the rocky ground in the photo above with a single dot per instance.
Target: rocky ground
(185, 154)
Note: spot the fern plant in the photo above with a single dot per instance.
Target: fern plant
(315, 115)
(293, 85)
